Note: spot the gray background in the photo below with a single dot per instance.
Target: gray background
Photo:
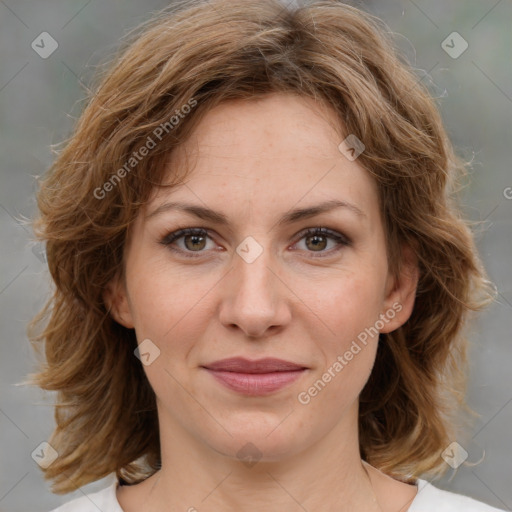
(39, 97)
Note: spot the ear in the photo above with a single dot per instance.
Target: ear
(401, 292)
(116, 301)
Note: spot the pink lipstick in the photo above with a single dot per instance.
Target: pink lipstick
(255, 378)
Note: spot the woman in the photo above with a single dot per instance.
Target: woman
(261, 276)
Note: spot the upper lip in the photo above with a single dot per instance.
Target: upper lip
(242, 365)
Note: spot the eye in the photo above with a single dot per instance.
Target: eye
(195, 240)
(316, 239)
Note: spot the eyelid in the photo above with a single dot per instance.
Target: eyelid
(178, 233)
(321, 230)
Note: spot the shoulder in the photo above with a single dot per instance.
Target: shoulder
(432, 499)
(104, 500)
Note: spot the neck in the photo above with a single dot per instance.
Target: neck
(327, 475)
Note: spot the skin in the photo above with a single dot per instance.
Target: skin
(254, 161)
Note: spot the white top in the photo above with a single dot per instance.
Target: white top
(428, 499)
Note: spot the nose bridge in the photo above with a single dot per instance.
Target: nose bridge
(253, 297)
(253, 274)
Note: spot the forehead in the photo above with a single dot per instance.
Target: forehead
(263, 128)
(266, 156)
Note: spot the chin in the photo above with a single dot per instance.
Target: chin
(260, 439)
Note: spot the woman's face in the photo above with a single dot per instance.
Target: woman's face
(256, 285)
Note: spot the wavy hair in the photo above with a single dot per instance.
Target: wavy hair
(201, 53)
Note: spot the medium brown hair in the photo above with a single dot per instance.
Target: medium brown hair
(210, 52)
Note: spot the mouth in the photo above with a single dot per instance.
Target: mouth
(255, 378)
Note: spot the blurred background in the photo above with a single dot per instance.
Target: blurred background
(461, 49)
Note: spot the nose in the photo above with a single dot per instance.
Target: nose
(255, 298)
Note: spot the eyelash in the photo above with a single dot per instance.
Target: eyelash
(342, 240)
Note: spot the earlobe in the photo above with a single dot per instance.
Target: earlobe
(401, 295)
(116, 302)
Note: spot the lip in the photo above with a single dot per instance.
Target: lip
(242, 365)
(255, 378)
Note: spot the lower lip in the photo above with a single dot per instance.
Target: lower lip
(256, 384)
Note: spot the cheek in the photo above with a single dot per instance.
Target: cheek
(350, 308)
(173, 310)
(348, 304)
(163, 297)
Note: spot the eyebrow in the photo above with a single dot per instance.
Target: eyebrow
(288, 218)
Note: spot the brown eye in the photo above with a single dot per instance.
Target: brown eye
(194, 240)
(317, 240)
